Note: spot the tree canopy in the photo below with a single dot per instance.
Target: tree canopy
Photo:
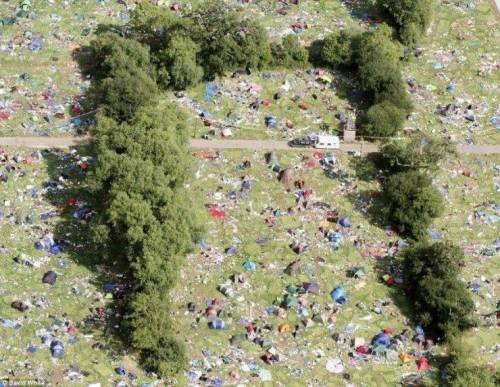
(411, 17)
(441, 301)
(419, 151)
(412, 202)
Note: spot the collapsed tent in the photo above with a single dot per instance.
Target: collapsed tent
(338, 295)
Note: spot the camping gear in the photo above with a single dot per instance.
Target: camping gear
(289, 302)
(57, 349)
(311, 287)
(345, 222)
(249, 265)
(49, 278)
(286, 176)
(381, 339)
(294, 268)
(338, 295)
(271, 122)
(423, 364)
(334, 366)
(238, 339)
(284, 328)
(217, 324)
(226, 289)
(273, 162)
(19, 305)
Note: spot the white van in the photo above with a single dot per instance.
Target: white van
(327, 142)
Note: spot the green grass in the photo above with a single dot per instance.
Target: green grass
(200, 275)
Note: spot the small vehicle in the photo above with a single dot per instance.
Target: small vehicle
(301, 143)
(327, 142)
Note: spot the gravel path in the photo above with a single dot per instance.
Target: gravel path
(66, 142)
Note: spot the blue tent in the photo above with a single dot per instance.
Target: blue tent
(381, 339)
(338, 295)
(345, 222)
(271, 122)
(249, 265)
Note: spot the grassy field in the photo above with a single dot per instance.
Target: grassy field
(460, 44)
(96, 351)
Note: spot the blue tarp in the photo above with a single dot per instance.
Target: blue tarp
(211, 91)
(338, 295)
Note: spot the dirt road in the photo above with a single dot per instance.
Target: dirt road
(66, 142)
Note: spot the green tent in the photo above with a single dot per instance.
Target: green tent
(25, 5)
(289, 302)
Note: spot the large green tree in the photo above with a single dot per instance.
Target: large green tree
(419, 151)
(440, 299)
(180, 63)
(411, 17)
(381, 120)
(145, 219)
(412, 202)
(339, 47)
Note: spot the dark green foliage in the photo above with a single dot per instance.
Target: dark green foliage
(463, 368)
(382, 120)
(394, 91)
(411, 17)
(378, 59)
(420, 151)
(213, 37)
(122, 76)
(111, 52)
(339, 48)
(145, 219)
(179, 62)
(228, 41)
(412, 202)
(123, 92)
(289, 53)
(441, 301)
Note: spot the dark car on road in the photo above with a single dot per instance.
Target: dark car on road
(301, 143)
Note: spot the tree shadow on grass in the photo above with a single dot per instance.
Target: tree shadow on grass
(74, 234)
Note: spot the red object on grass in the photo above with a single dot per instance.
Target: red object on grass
(217, 213)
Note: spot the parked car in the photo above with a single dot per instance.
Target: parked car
(301, 143)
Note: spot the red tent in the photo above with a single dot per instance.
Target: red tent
(423, 364)
(217, 213)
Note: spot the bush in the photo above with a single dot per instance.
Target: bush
(412, 202)
(382, 120)
(441, 301)
(420, 151)
(289, 53)
(338, 48)
(411, 17)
